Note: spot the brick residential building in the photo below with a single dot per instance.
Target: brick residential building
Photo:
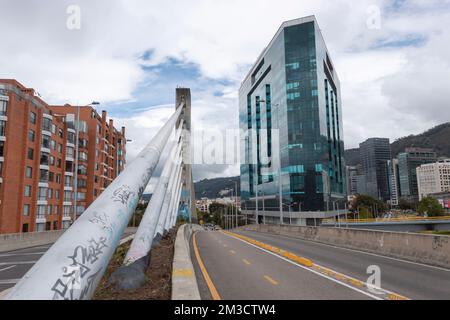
(37, 159)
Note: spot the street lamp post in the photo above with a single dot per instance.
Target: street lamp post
(77, 134)
(257, 203)
(236, 203)
(264, 204)
(280, 195)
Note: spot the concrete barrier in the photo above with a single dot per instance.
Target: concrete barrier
(184, 282)
(421, 248)
(10, 242)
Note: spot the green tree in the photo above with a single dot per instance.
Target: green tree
(404, 204)
(368, 206)
(431, 207)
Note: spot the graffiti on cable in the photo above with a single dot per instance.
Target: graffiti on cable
(102, 220)
(122, 194)
(78, 278)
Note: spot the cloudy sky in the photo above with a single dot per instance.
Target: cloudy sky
(393, 59)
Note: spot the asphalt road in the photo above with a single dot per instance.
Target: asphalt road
(14, 264)
(415, 281)
(239, 270)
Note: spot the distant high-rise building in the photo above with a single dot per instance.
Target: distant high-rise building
(408, 161)
(394, 181)
(293, 88)
(375, 154)
(433, 178)
(37, 160)
(353, 180)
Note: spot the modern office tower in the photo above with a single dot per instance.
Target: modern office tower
(37, 160)
(292, 138)
(350, 178)
(353, 178)
(433, 178)
(408, 161)
(375, 153)
(394, 181)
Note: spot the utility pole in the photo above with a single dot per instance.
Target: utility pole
(75, 199)
(280, 195)
(236, 203)
(257, 202)
(264, 205)
(77, 145)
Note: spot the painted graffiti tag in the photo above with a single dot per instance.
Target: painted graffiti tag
(439, 242)
(122, 194)
(102, 220)
(81, 265)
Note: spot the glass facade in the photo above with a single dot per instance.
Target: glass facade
(375, 154)
(408, 162)
(291, 124)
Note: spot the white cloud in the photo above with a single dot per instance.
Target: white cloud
(387, 91)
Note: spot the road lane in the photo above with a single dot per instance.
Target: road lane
(414, 281)
(251, 273)
(15, 264)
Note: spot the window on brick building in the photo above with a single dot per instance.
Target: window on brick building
(31, 135)
(3, 108)
(30, 154)
(27, 191)
(32, 117)
(26, 210)
(2, 128)
(29, 172)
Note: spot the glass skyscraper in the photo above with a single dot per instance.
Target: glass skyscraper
(375, 155)
(291, 129)
(408, 162)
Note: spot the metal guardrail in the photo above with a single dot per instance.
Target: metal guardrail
(72, 268)
(404, 219)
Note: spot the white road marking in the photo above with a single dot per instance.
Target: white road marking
(9, 281)
(310, 270)
(367, 253)
(7, 268)
(17, 262)
(20, 254)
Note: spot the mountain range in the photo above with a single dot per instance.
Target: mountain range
(437, 138)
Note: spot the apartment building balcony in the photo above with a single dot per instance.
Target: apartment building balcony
(40, 218)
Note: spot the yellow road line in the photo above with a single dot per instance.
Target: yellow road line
(232, 252)
(246, 262)
(342, 278)
(212, 289)
(269, 279)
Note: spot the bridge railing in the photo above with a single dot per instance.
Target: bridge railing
(397, 219)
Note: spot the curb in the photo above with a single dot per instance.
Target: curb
(4, 293)
(184, 282)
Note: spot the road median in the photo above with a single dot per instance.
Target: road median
(184, 282)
